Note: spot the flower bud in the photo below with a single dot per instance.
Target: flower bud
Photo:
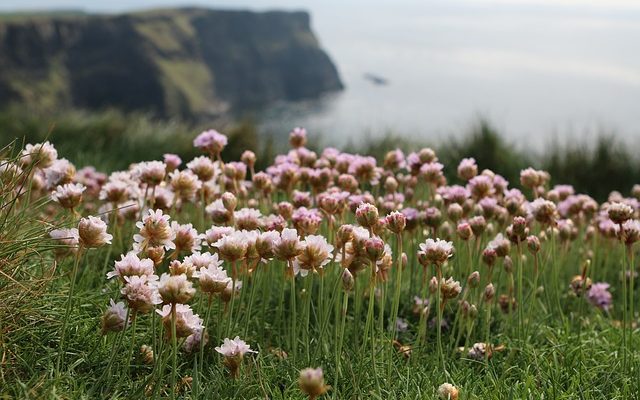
(347, 280)
(229, 201)
(489, 293)
(474, 279)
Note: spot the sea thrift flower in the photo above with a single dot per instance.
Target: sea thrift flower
(396, 222)
(218, 213)
(233, 352)
(186, 321)
(185, 184)
(447, 391)
(367, 215)
(150, 173)
(216, 233)
(172, 161)
(69, 195)
(175, 288)
(232, 247)
(431, 172)
(186, 238)
(203, 167)
(155, 231)
(92, 233)
(213, 279)
(298, 137)
(467, 169)
(630, 232)
(114, 318)
(59, 172)
(141, 292)
(311, 382)
(44, 154)
(619, 212)
(147, 354)
(599, 296)
(211, 141)
(544, 211)
(247, 218)
(130, 265)
(435, 252)
(480, 186)
(68, 239)
(450, 289)
(288, 245)
(192, 342)
(316, 253)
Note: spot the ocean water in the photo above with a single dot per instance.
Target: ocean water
(538, 70)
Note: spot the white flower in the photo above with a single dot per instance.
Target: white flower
(130, 265)
(155, 231)
(92, 232)
(234, 348)
(68, 195)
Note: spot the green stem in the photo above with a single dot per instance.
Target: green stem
(174, 342)
(67, 313)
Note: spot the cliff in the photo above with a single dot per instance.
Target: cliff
(179, 62)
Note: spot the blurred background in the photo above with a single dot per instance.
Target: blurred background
(554, 83)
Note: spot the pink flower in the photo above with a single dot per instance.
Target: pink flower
(316, 253)
(150, 173)
(288, 245)
(216, 233)
(204, 168)
(68, 195)
(172, 161)
(187, 323)
(131, 265)
(92, 232)
(187, 238)
(155, 231)
(435, 251)
(210, 141)
(232, 247)
(114, 318)
(42, 153)
(67, 238)
(467, 169)
(141, 292)
(213, 278)
(175, 288)
(235, 348)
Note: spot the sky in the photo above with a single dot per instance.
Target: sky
(538, 69)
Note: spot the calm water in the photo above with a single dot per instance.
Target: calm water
(538, 69)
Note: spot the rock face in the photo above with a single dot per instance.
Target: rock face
(182, 62)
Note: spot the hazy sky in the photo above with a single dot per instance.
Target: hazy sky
(536, 68)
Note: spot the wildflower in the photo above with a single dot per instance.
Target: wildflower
(467, 169)
(599, 296)
(172, 161)
(298, 137)
(630, 232)
(348, 282)
(544, 211)
(185, 184)
(44, 154)
(211, 141)
(489, 293)
(213, 279)
(150, 173)
(232, 247)
(464, 231)
(478, 351)
(500, 245)
(619, 212)
(186, 238)
(141, 293)
(431, 172)
(92, 233)
(192, 342)
(533, 243)
(233, 352)
(474, 279)
(61, 171)
(155, 231)
(396, 222)
(69, 195)
(67, 238)
(231, 290)
(186, 321)
(435, 252)
(530, 178)
(288, 245)
(203, 168)
(175, 288)
(130, 265)
(447, 391)
(316, 253)
(114, 318)
(311, 382)
(266, 243)
(116, 192)
(218, 213)
(147, 354)
(450, 289)
(216, 233)
(247, 218)
(480, 186)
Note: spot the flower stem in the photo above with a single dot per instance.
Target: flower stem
(67, 313)
(174, 342)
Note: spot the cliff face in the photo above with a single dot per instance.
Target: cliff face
(184, 62)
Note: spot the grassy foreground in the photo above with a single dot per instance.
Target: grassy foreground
(545, 334)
